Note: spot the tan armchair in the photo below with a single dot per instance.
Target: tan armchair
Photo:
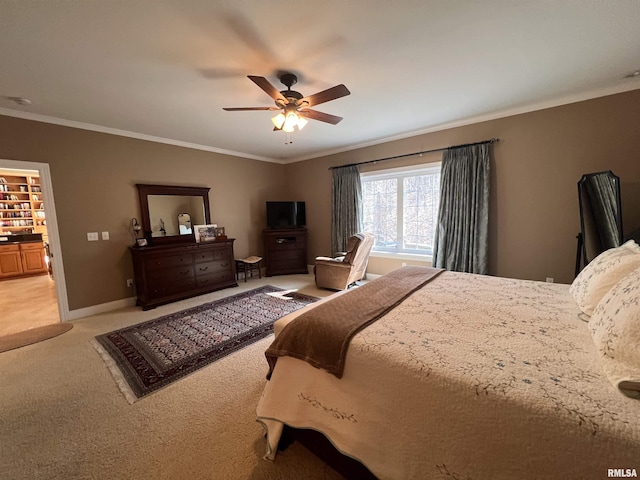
(340, 272)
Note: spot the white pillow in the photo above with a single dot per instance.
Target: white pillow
(605, 271)
(615, 327)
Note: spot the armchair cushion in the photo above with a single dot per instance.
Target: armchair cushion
(352, 247)
(340, 272)
(329, 259)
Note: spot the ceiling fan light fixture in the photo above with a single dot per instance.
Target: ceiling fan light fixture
(302, 122)
(290, 101)
(290, 122)
(278, 121)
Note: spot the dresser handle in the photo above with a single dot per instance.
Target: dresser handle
(186, 272)
(204, 269)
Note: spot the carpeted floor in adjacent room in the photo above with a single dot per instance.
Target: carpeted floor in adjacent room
(63, 417)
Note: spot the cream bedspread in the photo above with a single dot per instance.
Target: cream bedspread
(321, 335)
(475, 378)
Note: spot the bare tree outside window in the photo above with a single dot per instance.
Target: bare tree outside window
(401, 209)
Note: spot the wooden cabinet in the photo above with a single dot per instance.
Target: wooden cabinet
(21, 205)
(285, 251)
(10, 262)
(167, 273)
(32, 256)
(21, 259)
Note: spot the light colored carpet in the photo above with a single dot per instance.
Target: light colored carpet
(33, 335)
(63, 417)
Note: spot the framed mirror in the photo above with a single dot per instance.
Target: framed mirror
(168, 212)
(184, 223)
(600, 216)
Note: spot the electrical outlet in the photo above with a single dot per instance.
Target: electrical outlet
(404, 264)
(549, 279)
(105, 235)
(129, 282)
(92, 236)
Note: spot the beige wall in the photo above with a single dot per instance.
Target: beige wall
(534, 206)
(94, 177)
(535, 169)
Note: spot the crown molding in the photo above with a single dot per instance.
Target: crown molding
(125, 133)
(565, 100)
(557, 102)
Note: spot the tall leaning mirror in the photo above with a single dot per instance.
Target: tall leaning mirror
(600, 216)
(169, 212)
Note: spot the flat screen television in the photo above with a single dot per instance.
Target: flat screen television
(286, 215)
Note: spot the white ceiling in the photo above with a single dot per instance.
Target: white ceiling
(163, 70)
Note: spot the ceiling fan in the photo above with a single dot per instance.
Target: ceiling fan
(295, 107)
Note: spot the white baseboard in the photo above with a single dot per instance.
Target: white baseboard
(102, 308)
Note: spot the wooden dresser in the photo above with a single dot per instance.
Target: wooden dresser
(285, 251)
(164, 274)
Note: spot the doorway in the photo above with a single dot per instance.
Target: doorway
(33, 301)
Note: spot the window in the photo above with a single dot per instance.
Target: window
(400, 207)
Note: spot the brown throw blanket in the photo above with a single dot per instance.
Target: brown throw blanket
(321, 336)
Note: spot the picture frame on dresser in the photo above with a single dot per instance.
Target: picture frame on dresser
(220, 233)
(205, 233)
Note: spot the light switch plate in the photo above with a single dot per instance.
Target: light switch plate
(92, 236)
(105, 235)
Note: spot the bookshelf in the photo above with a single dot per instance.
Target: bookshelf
(21, 204)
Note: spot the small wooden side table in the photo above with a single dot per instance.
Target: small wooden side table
(247, 266)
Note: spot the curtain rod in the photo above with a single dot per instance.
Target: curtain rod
(491, 140)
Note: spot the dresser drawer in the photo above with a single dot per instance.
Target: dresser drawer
(169, 275)
(295, 255)
(31, 246)
(171, 288)
(204, 256)
(157, 262)
(9, 248)
(214, 278)
(212, 267)
(285, 243)
(214, 252)
(288, 265)
(223, 253)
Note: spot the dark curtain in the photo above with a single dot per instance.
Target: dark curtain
(462, 231)
(346, 206)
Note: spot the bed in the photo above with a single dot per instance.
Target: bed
(470, 377)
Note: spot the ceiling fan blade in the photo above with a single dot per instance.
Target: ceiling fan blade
(216, 72)
(248, 33)
(265, 85)
(322, 117)
(325, 96)
(239, 109)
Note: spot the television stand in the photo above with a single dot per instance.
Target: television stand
(285, 251)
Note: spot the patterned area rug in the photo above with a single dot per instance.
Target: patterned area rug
(153, 354)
